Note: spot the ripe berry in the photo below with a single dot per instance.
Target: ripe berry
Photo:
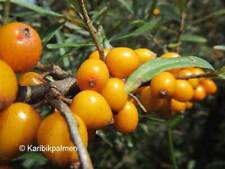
(53, 132)
(122, 62)
(126, 120)
(92, 108)
(199, 93)
(170, 55)
(8, 85)
(95, 54)
(163, 85)
(18, 126)
(183, 91)
(187, 72)
(20, 46)
(209, 86)
(145, 55)
(156, 12)
(177, 106)
(93, 74)
(189, 105)
(30, 79)
(115, 94)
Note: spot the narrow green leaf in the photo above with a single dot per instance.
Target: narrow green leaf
(150, 69)
(47, 36)
(70, 45)
(34, 7)
(219, 47)
(147, 26)
(126, 5)
(193, 38)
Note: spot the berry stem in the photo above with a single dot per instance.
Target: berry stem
(138, 102)
(92, 30)
(171, 148)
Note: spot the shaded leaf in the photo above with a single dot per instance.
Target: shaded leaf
(150, 69)
(193, 38)
(126, 5)
(69, 45)
(219, 47)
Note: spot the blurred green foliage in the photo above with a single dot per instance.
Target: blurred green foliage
(194, 27)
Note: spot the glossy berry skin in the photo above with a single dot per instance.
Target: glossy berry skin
(187, 72)
(92, 108)
(145, 55)
(199, 93)
(170, 55)
(20, 46)
(121, 62)
(183, 91)
(8, 85)
(126, 120)
(93, 74)
(209, 86)
(177, 106)
(115, 94)
(189, 105)
(54, 132)
(162, 85)
(95, 54)
(30, 79)
(18, 126)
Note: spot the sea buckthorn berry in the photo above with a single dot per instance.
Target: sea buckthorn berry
(92, 108)
(196, 71)
(187, 72)
(126, 120)
(146, 97)
(189, 105)
(121, 62)
(8, 85)
(18, 126)
(183, 91)
(163, 85)
(145, 55)
(209, 86)
(54, 132)
(95, 54)
(115, 94)
(20, 46)
(30, 79)
(199, 93)
(93, 74)
(170, 55)
(177, 106)
(156, 11)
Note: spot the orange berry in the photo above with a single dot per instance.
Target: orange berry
(8, 85)
(18, 126)
(126, 120)
(183, 91)
(187, 72)
(156, 11)
(163, 85)
(20, 46)
(209, 86)
(54, 132)
(115, 94)
(199, 93)
(122, 62)
(93, 74)
(145, 55)
(177, 106)
(170, 55)
(95, 54)
(92, 108)
(189, 105)
(30, 79)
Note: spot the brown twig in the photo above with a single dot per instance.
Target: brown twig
(91, 28)
(138, 102)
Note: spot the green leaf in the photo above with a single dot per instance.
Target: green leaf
(219, 47)
(47, 36)
(147, 26)
(34, 7)
(69, 45)
(150, 69)
(172, 123)
(193, 38)
(126, 5)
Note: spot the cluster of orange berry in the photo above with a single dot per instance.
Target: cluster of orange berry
(174, 90)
